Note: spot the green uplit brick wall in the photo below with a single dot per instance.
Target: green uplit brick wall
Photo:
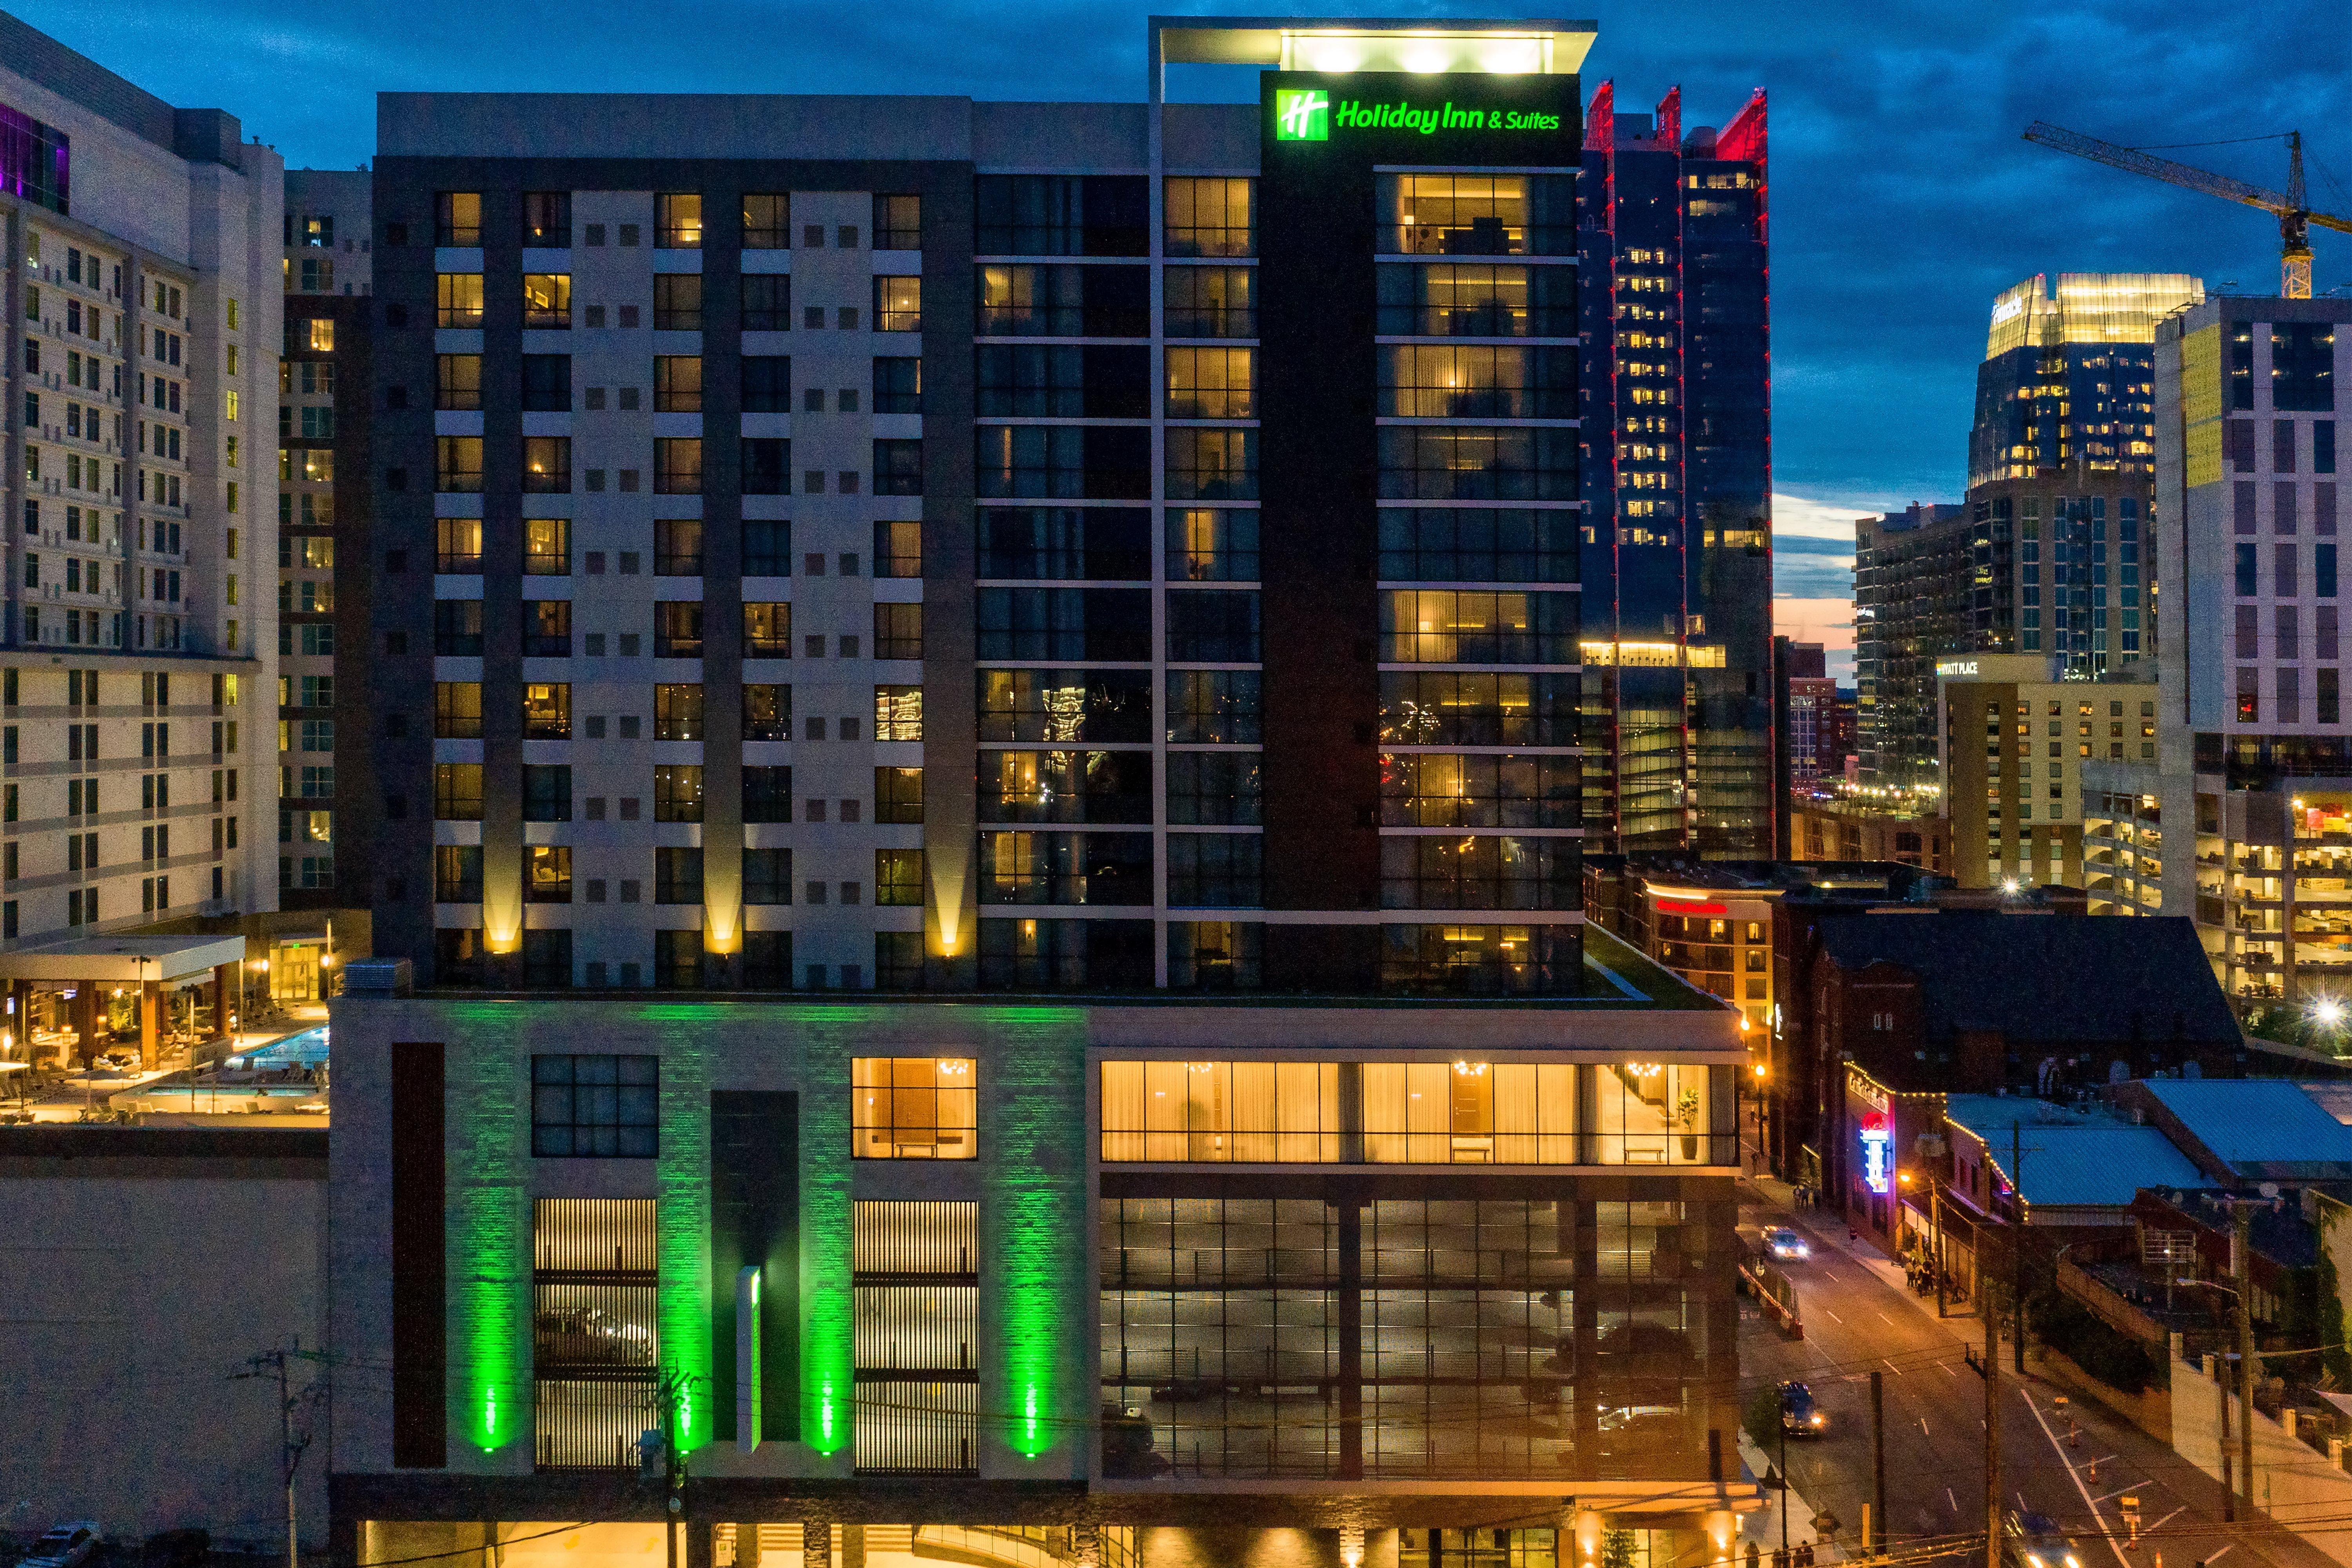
(489, 1241)
(682, 1213)
(1033, 1240)
(822, 1039)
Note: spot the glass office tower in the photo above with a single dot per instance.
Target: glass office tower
(1678, 437)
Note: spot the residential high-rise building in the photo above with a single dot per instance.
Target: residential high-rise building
(140, 634)
(1677, 436)
(1911, 591)
(2051, 552)
(884, 548)
(2068, 379)
(2243, 819)
(325, 763)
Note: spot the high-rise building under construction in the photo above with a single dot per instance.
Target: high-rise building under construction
(1677, 571)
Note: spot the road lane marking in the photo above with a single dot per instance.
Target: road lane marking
(1951, 1500)
(2150, 1529)
(2120, 1490)
(1834, 1318)
(2217, 1556)
(2072, 1475)
(1947, 1368)
(1923, 1428)
(1883, 1318)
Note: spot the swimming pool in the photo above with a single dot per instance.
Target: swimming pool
(307, 1048)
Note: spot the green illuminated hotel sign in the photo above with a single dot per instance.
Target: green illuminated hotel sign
(1308, 114)
(1302, 114)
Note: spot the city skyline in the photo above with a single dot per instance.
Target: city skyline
(1892, 123)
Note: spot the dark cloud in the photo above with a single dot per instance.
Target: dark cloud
(1902, 196)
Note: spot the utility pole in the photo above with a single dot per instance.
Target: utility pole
(2017, 1247)
(290, 1448)
(2240, 1260)
(1991, 1419)
(1877, 1456)
(1936, 1216)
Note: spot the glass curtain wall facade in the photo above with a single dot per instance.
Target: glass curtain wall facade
(1676, 699)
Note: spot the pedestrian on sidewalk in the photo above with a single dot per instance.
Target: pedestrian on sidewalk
(1805, 1555)
(1753, 1554)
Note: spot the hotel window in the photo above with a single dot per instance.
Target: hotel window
(1482, 544)
(1421, 462)
(898, 550)
(546, 547)
(595, 1326)
(1468, 300)
(547, 874)
(1210, 215)
(916, 1305)
(458, 296)
(547, 220)
(898, 385)
(898, 794)
(457, 709)
(1211, 384)
(458, 873)
(897, 223)
(678, 222)
(457, 545)
(1649, 1113)
(1446, 382)
(767, 630)
(457, 629)
(678, 383)
(458, 464)
(1469, 1112)
(767, 712)
(1213, 544)
(1210, 301)
(547, 300)
(458, 379)
(914, 1107)
(898, 878)
(600, 1107)
(898, 712)
(677, 466)
(457, 791)
(319, 334)
(898, 304)
(1212, 464)
(457, 219)
(546, 465)
(546, 710)
(767, 222)
(677, 302)
(678, 712)
(1477, 215)
(1440, 626)
(1250, 1111)
(677, 792)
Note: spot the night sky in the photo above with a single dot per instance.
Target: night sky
(1902, 198)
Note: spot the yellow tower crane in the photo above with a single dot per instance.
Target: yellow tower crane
(2294, 215)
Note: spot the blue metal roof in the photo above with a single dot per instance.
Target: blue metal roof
(2072, 1159)
(2250, 1123)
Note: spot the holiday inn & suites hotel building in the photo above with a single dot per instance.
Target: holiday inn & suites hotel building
(976, 843)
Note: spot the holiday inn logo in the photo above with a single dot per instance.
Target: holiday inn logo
(1302, 114)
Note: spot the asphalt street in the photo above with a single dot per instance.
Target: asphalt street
(1858, 1316)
